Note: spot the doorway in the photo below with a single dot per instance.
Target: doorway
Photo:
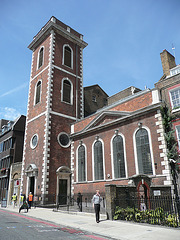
(31, 187)
(143, 194)
(62, 191)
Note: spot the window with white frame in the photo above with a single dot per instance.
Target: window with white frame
(175, 98)
(67, 56)
(118, 157)
(40, 57)
(143, 152)
(67, 91)
(178, 135)
(94, 98)
(63, 139)
(81, 164)
(34, 141)
(98, 161)
(38, 92)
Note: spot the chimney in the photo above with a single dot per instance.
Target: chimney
(168, 62)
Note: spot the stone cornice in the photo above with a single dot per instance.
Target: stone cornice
(45, 31)
(126, 118)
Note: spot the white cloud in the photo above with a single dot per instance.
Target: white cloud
(14, 90)
(9, 113)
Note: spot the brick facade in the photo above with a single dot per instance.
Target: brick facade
(139, 109)
(51, 115)
(49, 164)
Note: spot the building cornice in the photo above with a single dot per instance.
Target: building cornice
(52, 25)
(126, 118)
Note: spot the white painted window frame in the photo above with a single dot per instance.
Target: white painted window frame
(35, 92)
(77, 160)
(39, 56)
(62, 91)
(170, 96)
(135, 149)
(93, 174)
(112, 158)
(178, 135)
(67, 45)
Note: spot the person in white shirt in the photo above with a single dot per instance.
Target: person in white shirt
(96, 204)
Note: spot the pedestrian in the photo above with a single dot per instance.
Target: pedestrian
(24, 204)
(22, 199)
(96, 204)
(79, 201)
(14, 199)
(30, 199)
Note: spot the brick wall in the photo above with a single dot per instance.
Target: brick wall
(127, 129)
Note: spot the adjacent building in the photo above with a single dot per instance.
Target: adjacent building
(11, 151)
(169, 89)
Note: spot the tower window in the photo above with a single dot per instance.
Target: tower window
(67, 91)
(38, 92)
(67, 56)
(40, 57)
(63, 139)
(34, 141)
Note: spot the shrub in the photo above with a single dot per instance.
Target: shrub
(157, 216)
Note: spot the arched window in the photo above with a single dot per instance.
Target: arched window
(143, 152)
(98, 161)
(66, 97)
(38, 92)
(118, 157)
(68, 56)
(40, 57)
(81, 164)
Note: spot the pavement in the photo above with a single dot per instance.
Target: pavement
(106, 228)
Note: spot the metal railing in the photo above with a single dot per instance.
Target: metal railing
(154, 210)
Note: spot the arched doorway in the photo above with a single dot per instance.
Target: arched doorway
(31, 173)
(63, 189)
(143, 195)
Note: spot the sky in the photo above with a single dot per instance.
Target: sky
(125, 39)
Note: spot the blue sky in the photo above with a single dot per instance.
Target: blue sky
(125, 38)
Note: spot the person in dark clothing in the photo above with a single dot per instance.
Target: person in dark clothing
(24, 203)
(79, 201)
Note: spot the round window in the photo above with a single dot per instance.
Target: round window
(63, 139)
(34, 141)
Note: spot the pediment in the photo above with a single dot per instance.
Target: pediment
(32, 167)
(105, 118)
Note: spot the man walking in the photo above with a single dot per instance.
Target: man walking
(96, 204)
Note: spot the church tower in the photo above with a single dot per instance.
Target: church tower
(55, 101)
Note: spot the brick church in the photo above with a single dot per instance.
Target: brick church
(120, 141)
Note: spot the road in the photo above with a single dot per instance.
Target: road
(14, 226)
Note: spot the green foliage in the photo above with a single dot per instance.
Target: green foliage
(167, 118)
(157, 216)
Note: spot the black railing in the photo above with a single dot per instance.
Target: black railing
(154, 210)
(82, 203)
